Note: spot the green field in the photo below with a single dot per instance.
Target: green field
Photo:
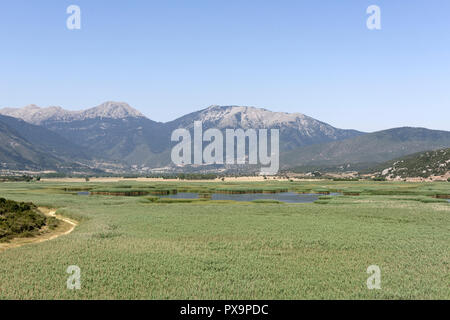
(139, 248)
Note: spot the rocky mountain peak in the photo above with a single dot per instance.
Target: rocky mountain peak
(31, 107)
(114, 110)
(37, 115)
(246, 116)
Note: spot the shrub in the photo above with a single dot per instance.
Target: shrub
(267, 201)
(169, 200)
(152, 199)
(321, 191)
(20, 219)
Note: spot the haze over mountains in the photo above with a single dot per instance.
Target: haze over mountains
(117, 136)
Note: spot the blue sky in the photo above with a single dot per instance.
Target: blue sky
(169, 58)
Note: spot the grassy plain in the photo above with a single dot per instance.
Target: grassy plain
(138, 248)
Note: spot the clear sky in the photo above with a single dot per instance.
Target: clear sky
(168, 58)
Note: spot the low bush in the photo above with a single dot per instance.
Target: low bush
(152, 199)
(20, 219)
(321, 191)
(321, 202)
(267, 201)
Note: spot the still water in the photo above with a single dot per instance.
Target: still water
(288, 197)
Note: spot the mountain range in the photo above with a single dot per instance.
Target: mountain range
(114, 136)
(368, 149)
(31, 147)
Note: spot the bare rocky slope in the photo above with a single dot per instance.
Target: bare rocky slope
(296, 129)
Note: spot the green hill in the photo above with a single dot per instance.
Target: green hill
(371, 148)
(424, 164)
(24, 146)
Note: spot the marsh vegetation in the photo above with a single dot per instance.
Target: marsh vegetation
(145, 247)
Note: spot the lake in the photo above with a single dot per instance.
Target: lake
(287, 197)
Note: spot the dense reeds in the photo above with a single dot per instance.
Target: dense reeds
(147, 248)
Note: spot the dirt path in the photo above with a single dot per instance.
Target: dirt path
(66, 227)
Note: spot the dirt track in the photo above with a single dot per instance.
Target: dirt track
(66, 227)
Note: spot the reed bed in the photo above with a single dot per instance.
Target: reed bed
(141, 248)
